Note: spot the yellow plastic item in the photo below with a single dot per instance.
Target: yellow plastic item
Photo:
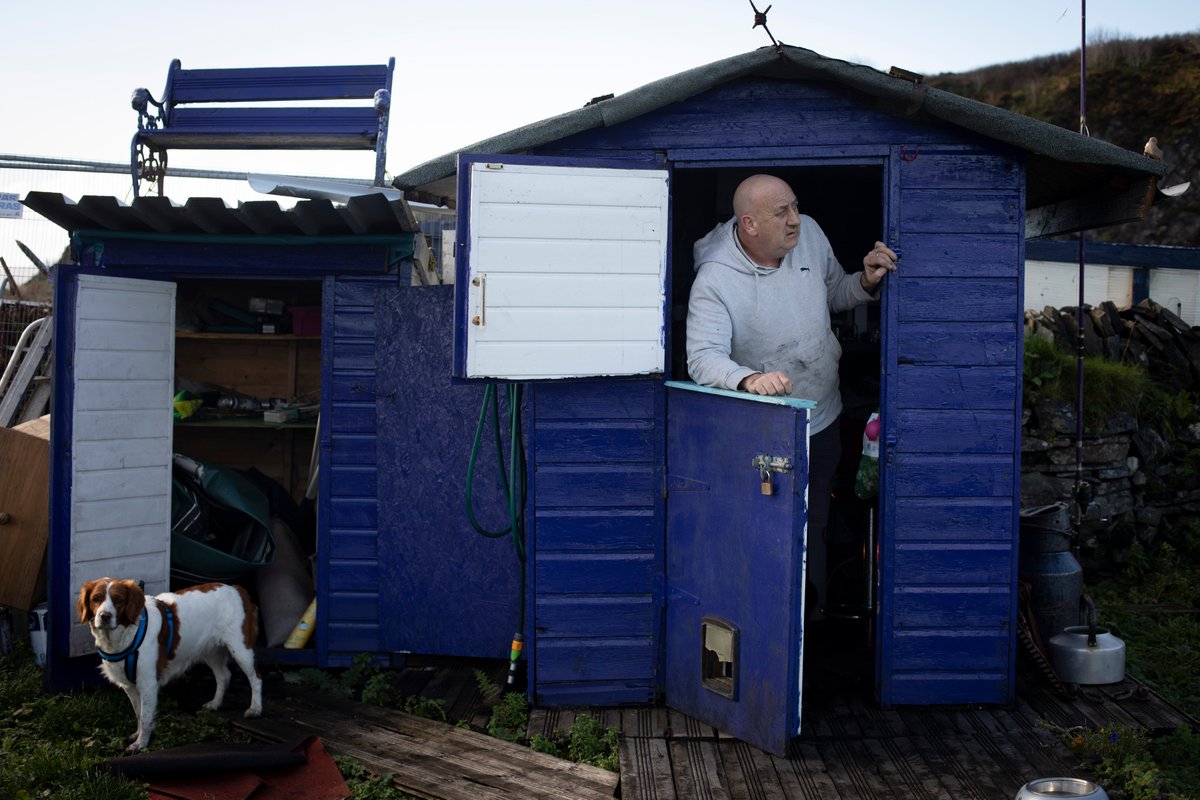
(304, 628)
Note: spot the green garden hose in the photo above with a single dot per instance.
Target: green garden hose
(513, 481)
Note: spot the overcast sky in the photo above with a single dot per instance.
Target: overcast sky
(468, 70)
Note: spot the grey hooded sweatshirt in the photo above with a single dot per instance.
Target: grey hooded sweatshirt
(744, 318)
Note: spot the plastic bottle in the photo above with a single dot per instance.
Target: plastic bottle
(304, 628)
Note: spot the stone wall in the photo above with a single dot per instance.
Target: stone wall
(1144, 476)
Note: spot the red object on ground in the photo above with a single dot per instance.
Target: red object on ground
(316, 779)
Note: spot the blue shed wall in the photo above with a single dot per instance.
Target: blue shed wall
(456, 592)
(348, 585)
(597, 462)
(951, 481)
(954, 205)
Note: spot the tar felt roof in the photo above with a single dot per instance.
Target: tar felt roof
(1062, 165)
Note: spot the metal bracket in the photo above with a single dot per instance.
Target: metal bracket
(772, 463)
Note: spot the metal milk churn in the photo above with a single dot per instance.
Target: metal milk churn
(1045, 561)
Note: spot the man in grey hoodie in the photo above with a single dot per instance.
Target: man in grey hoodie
(758, 315)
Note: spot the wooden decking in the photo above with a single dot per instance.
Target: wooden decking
(849, 748)
(853, 749)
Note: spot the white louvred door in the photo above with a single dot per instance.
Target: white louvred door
(565, 271)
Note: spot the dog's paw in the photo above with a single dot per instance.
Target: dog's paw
(133, 749)
(253, 713)
(211, 705)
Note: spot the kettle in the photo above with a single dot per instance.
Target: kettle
(1086, 653)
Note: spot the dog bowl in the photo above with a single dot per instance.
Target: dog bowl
(1060, 788)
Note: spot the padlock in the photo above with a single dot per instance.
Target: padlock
(765, 475)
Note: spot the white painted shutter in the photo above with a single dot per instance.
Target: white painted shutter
(1178, 291)
(121, 435)
(566, 271)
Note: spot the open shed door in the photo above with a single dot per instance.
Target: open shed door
(736, 519)
(118, 500)
(563, 271)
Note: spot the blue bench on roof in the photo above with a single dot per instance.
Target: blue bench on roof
(186, 119)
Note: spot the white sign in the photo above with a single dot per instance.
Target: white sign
(10, 206)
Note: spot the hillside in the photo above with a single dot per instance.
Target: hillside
(1136, 88)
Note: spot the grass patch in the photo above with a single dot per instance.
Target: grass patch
(1109, 387)
(50, 744)
(1162, 650)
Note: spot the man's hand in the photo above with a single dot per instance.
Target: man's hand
(770, 383)
(877, 263)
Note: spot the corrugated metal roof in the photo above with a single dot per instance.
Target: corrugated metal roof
(1053, 147)
(367, 215)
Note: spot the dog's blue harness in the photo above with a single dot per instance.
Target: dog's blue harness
(130, 654)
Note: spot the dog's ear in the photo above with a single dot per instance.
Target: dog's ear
(134, 601)
(84, 607)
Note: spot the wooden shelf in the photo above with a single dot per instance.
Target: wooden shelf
(244, 422)
(246, 337)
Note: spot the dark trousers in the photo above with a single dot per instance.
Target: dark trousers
(824, 453)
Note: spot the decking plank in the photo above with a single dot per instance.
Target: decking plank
(953, 777)
(480, 748)
(644, 722)
(697, 768)
(991, 777)
(803, 774)
(684, 726)
(646, 769)
(911, 777)
(445, 751)
(750, 772)
(854, 775)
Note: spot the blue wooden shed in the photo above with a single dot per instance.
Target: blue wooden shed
(656, 564)
(384, 460)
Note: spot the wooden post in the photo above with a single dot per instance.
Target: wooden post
(13, 281)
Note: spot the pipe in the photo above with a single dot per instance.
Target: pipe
(11, 366)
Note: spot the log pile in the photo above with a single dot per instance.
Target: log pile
(1144, 477)
(1146, 334)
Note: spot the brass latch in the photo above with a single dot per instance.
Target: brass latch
(768, 464)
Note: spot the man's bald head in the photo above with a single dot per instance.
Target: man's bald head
(752, 192)
(768, 218)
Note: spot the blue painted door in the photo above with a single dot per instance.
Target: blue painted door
(735, 561)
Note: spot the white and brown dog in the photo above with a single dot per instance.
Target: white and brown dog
(144, 642)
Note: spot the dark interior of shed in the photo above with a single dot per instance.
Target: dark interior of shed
(848, 203)
(248, 365)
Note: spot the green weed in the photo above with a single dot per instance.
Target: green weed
(365, 786)
(510, 718)
(591, 743)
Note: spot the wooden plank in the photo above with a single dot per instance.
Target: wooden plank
(685, 726)
(986, 773)
(452, 752)
(553, 723)
(646, 769)
(1092, 211)
(644, 722)
(803, 774)
(953, 775)
(908, 777)
(697, 769)
(24, 492)
(989, 299)
(751, 772)
(485, 748)
(25, 372)
(851, 771)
